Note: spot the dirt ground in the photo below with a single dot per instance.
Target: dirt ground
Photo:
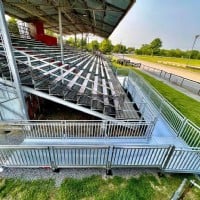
(187, 73)
(54, 111)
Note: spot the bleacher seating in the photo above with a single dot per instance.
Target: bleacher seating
(83, 78)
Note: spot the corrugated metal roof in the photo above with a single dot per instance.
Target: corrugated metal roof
(78, 16)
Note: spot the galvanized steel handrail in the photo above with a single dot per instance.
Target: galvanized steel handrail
(85, 129)
(171, 78)
(182, 126)
(166, 158)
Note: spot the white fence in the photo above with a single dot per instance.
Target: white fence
(184, 161)
(183, 127)
(84, 129)
(188, 84)
(165, 158)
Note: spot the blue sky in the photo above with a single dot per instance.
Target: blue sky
(176, 22)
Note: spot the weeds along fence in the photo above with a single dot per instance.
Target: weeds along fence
(165, 158)
(182, 126)
(188, 84)
(85, 129)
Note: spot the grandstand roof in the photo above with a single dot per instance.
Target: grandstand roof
(78, 16)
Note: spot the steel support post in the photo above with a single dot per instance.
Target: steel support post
(61, 34)
(52, 160)
(82, 41)
(75, 39)
(11, 61)
(109, 162)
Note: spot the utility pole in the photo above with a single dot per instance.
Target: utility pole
(195, 39)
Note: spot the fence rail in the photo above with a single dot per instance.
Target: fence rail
(85, 129)
(165, 158)
(188, 84)
(184, 160)
(145, 156)
(183, 127)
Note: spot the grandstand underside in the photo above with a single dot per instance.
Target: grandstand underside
(87, 16)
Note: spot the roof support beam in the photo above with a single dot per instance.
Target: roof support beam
(11, 61)
(89, 15)
(32, 10)
(115, 7)
(66, 103)
(82, 15)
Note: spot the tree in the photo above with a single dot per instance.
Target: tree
(119, 48)
(12, 26)
(145, 49)
(130, 49)
(164, 52)
(194, 54)
(71, 41)
(106, 46)
(154, 49)
(82, 43)
(155, 46)
(79, 43)
(50, 33)
(93, 45)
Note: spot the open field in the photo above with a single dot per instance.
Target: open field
(186, 105)
(144, 187)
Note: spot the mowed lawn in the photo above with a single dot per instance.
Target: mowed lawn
(157, 59)
(188, 106)
(145, 187)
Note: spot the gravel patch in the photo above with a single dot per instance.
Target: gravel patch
(10, 136)
(34, 174)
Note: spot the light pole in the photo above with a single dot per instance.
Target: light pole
(121, 49)
(195, 39)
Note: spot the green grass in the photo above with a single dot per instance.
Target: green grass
(189, 107)
(145, 187)
(156, 59)
(26, 190)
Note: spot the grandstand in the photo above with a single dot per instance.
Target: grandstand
(125, 123)
(83, 79)
(65, 75)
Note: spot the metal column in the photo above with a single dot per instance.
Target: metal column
(82, 42)
(61, 34)
(11, 61)
(75, 39)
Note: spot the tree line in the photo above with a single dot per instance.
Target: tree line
(106, 46)
(152, 49)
